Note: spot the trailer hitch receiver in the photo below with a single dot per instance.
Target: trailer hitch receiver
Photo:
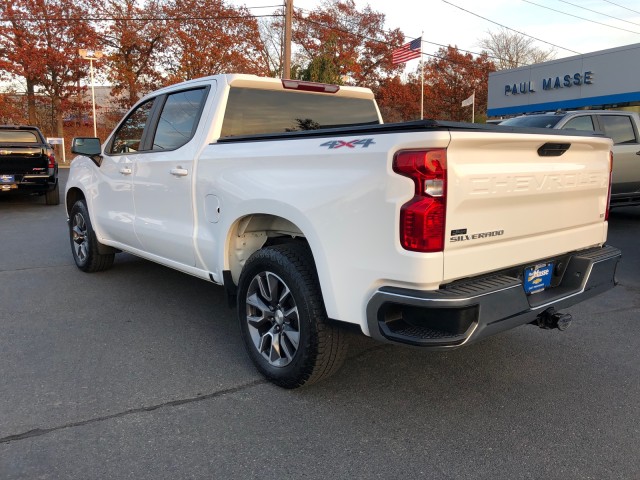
(550, 319)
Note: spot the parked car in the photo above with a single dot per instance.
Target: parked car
(27, 163)
(622, 127)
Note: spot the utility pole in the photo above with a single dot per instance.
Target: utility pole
(288, 14)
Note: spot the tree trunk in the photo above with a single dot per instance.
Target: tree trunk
(31, 102)
(133, 94)
(58, 116)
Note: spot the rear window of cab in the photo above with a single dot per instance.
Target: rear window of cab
(18, 136)
(252, 111)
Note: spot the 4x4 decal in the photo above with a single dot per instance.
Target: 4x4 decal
(364, 143)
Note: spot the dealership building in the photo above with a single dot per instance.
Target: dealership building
(608, 79)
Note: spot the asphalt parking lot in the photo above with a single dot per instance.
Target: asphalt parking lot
(139, 372)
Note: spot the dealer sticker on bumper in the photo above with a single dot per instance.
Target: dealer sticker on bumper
(538, 277)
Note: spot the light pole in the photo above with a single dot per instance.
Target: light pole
(91, 55)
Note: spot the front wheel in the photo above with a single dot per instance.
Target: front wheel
(84, 244)
(282, 318)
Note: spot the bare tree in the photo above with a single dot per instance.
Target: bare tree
(509, 49)
(272, 35)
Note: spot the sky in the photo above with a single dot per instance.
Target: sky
(572, 26)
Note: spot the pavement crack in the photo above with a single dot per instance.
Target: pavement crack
(39, 267)
(38, 432)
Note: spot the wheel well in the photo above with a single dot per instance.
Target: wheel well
(253, 232)
(73, 195)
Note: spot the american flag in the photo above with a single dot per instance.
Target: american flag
(408, 51)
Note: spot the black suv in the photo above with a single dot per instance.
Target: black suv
(27, 163)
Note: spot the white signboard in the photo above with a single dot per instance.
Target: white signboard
(58, 141)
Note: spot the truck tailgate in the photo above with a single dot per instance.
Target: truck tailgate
(518, 198)
(22, 159)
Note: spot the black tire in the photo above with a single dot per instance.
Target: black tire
(84, 244)
(271, 324)
(52, 197)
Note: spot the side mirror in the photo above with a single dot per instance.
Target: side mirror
(88, 146)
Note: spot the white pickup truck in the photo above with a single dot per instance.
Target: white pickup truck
(312, 214)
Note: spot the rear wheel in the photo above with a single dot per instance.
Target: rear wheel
(282, 318)
(84, 244)
(52, 197)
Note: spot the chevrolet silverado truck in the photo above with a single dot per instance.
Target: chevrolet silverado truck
(314, 214)
(27, 163)
(621, 126)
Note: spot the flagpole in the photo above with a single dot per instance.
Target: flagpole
(422, 79)
(407, 52)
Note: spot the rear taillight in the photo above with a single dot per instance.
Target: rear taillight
(606, 213)
(52, 159)
(422, 219)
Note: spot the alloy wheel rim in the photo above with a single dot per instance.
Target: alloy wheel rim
(273, 319)
(79, 237)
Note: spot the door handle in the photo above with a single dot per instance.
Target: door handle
(125, 171)
(179, 172)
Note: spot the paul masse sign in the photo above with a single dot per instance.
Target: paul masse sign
(550, 83)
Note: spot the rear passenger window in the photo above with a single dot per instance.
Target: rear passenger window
(178, 119)
(580, 123)
(619, 128)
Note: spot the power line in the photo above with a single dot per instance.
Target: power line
(264, 6)
(137, 19)
(581, 18)
(133, 19)
(330, 27)
(511, 29)
(622, 6)
(599, 13)
(376, 40)
(465, 51)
